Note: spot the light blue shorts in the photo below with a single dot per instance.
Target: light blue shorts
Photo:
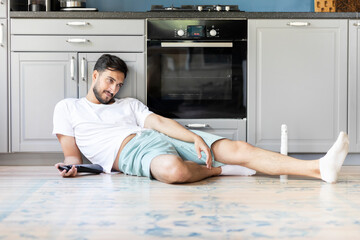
(136, 156)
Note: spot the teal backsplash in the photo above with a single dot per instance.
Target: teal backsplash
(245, 5)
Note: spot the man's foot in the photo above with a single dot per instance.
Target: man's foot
(331, 163)
(236, 170)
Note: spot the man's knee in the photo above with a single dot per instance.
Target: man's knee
(171, 170)
(243, 147)
(179, 173)
(232, 152)
(242, 150)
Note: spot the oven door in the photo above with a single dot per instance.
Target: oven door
(190, 79)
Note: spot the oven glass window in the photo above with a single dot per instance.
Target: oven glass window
(197, 82)
(196, 74)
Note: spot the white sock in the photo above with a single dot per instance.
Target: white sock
(331, 163)
(236, 170)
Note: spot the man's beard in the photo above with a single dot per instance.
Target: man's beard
(98, 97)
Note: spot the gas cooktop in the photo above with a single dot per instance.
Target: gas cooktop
(196, 8)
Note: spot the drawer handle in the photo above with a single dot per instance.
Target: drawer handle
(197, 125)
(2, 34)
(77, 40)
(2, 2)
(72, 68)
(357, 24)
(77, 23)
(298, 24)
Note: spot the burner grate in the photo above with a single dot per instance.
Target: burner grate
(196, 8)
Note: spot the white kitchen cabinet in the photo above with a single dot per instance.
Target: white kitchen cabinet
(234, 129)
(3, 87)
(46, 68)
(354, 85)
(297, 76)
(39, 81)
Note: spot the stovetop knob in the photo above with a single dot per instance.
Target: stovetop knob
(213, 32)
(180, 32)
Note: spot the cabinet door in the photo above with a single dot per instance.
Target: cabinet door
(297, 76)
(134, 84)
(354, 85)
(39, 81)
(234, 129)
(3, 88)
(3, 8)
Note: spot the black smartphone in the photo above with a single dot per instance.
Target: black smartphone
(89, 168)
(66, 167)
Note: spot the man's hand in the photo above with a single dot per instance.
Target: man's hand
(201, 146)
(71, 173)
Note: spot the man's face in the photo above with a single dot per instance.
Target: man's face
(107, 84)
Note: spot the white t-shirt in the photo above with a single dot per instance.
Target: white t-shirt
(99, 129)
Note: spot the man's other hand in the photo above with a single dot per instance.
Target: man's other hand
(200, 146)
(71, 173)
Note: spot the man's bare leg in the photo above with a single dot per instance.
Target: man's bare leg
(172, 169)
(241, 153)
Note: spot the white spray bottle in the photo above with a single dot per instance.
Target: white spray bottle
(284, 146)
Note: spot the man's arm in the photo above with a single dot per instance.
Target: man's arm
(173, 129)
(72, 155)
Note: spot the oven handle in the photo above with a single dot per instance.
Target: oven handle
(197, 125)
(197, 44)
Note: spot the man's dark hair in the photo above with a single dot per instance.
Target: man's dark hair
(112, 63)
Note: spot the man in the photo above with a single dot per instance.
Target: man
(123, 135)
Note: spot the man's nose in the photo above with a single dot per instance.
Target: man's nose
(113, 88)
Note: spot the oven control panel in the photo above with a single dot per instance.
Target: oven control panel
(197, 31)
(194, 29)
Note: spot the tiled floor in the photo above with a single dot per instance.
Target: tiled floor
(35, 203)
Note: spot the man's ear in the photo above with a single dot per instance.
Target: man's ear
(95, 76)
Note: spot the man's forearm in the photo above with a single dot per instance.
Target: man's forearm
(175, 130)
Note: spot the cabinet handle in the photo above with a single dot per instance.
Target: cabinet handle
(357, 24)
(72, 68)
(77, 40)
(83, 69)
(298, 24)
(2, 2)
(77, 23)
(2, 34)
(197, 125)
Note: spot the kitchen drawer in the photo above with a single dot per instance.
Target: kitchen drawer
(78, 43)
(234, 129)
(77, 26)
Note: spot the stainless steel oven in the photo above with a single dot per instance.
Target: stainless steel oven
(196, 68)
